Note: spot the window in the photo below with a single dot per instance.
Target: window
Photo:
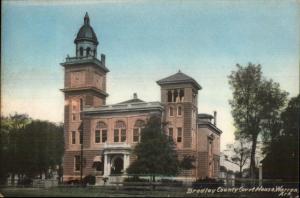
(169, 96)
(104, 136)
(120, 131)
(73, 137)
(88, 51)
(73, 116)
(179, 111)
(171, 111)
(81, 51)
(175, 99)
(116, 135)
(179, 134)
(171, 133)
(101, 132)
(181, 95)
(80, 137)
(136, 135)
(77, 163)
(81, 104)
(97, 136)
(139, 124)
(123, 135)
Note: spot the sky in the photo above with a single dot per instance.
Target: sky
(145, 41)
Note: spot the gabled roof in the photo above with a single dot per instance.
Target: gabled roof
(131, 101)
(179, 77)
(134, 100)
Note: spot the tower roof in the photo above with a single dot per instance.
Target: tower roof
(177, 78)
(86, 32)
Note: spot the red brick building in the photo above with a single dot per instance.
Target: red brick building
(106, 134)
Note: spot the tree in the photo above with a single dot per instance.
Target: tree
(43, 148)
(255, 102)
(29, 147)
(240, 154)
(11, 128)
(282, 154)
(156, 154)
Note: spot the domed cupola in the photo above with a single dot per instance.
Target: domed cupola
(86, 40)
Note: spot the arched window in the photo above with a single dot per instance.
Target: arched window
(88, 50)
(100, 132)
(81, 51)
(120, 131)
(139, 124)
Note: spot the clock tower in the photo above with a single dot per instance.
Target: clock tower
(84, 86)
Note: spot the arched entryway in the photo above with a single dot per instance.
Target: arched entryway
(117, 165)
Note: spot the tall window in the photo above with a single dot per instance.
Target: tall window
(139, 124)
(171, 111)
(179, 110)
(80, 137)
(73, 137)
(104, 135)
(77, 162)
(210, 147)
(181, 95)
(81, 107)
(176, 98)
(169, 96)
(81, 51)
(101, 132)
(97, 136)
(116, 135)
(88, 50)
(120, 131)
(179, 134)
(123, 135)
(171, 133)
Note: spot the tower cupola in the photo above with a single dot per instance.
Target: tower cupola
(86, 40)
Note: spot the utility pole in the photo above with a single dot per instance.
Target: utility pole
(81, 155)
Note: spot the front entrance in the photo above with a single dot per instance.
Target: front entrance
(117, 165)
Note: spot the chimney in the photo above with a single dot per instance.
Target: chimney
(135, 96)
(215, 118)
(103, 59)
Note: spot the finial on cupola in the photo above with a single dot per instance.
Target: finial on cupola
(179, 71)
(86, 19)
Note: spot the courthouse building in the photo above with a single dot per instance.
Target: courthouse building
(107, 133)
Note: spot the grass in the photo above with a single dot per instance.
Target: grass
(86, 192)
(113, 192)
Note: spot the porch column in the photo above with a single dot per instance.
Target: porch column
(107, 165)
(126, 162)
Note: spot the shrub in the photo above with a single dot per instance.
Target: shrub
(135, 179)
(207, 183)
(171, 182)
(89, 179)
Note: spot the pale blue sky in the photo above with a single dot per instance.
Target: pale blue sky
(145, 41)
